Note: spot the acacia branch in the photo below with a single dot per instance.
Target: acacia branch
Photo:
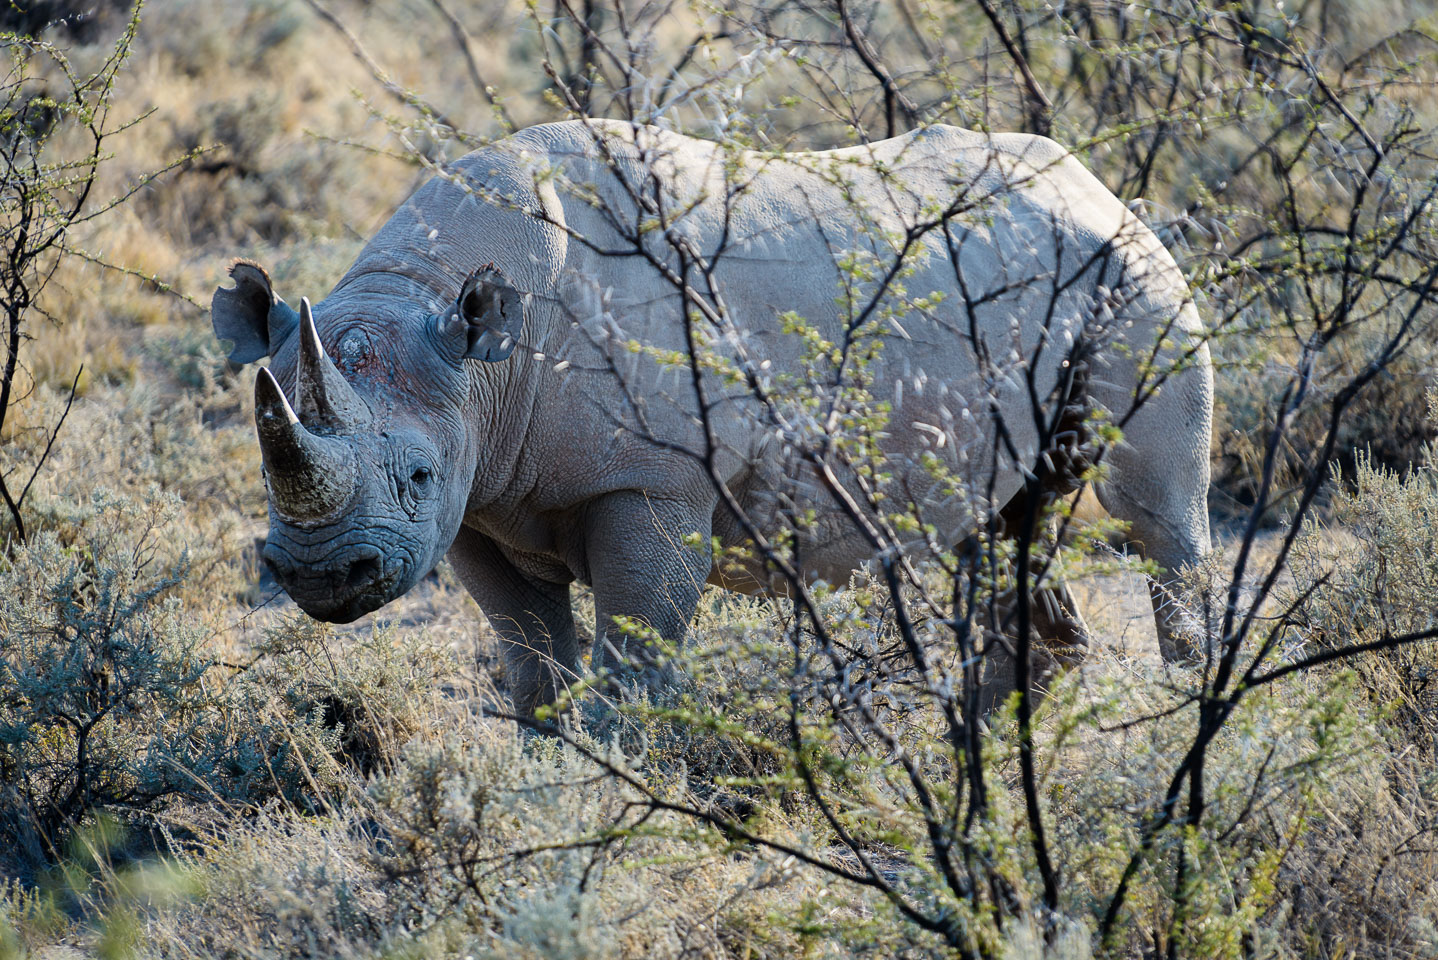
(465, 43)
(1038, 106)
(894, 99)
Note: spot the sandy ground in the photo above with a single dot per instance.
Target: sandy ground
(1120, 616)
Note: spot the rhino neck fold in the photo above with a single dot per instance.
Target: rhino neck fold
(430, 283)
(500, 426)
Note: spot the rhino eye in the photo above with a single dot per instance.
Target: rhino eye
(420, 476)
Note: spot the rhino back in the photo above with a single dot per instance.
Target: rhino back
(812, 235)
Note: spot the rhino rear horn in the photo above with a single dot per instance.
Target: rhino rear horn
(309, 476)
(326, 400)
(489, 314)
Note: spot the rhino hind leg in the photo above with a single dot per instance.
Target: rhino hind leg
(1059, 642)
(1173, 547)
(1059, 638)
(1063, 635)
(1158, 485)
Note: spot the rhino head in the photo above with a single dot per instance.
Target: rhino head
(368, 463)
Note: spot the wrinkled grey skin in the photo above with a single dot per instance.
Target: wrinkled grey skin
(412, 428)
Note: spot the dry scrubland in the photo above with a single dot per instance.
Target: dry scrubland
(190, 767)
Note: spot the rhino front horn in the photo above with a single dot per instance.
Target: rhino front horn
(309, 476)
(327, 402)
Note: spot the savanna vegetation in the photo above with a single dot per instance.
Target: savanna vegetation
(190, 767)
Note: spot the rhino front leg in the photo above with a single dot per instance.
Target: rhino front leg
(643, 571)
(533, 618)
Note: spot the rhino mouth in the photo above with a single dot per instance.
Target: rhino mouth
(365, 583)
(347, 608)
(343, 611)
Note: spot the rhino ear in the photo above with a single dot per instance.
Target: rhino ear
(250, 314)
(489, 314)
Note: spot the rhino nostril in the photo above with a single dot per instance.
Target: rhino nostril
(279, 563)
(362, 573)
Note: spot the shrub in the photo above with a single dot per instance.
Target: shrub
(1370, 571)
(1372, 567)
(100, 675)
(109, 701)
